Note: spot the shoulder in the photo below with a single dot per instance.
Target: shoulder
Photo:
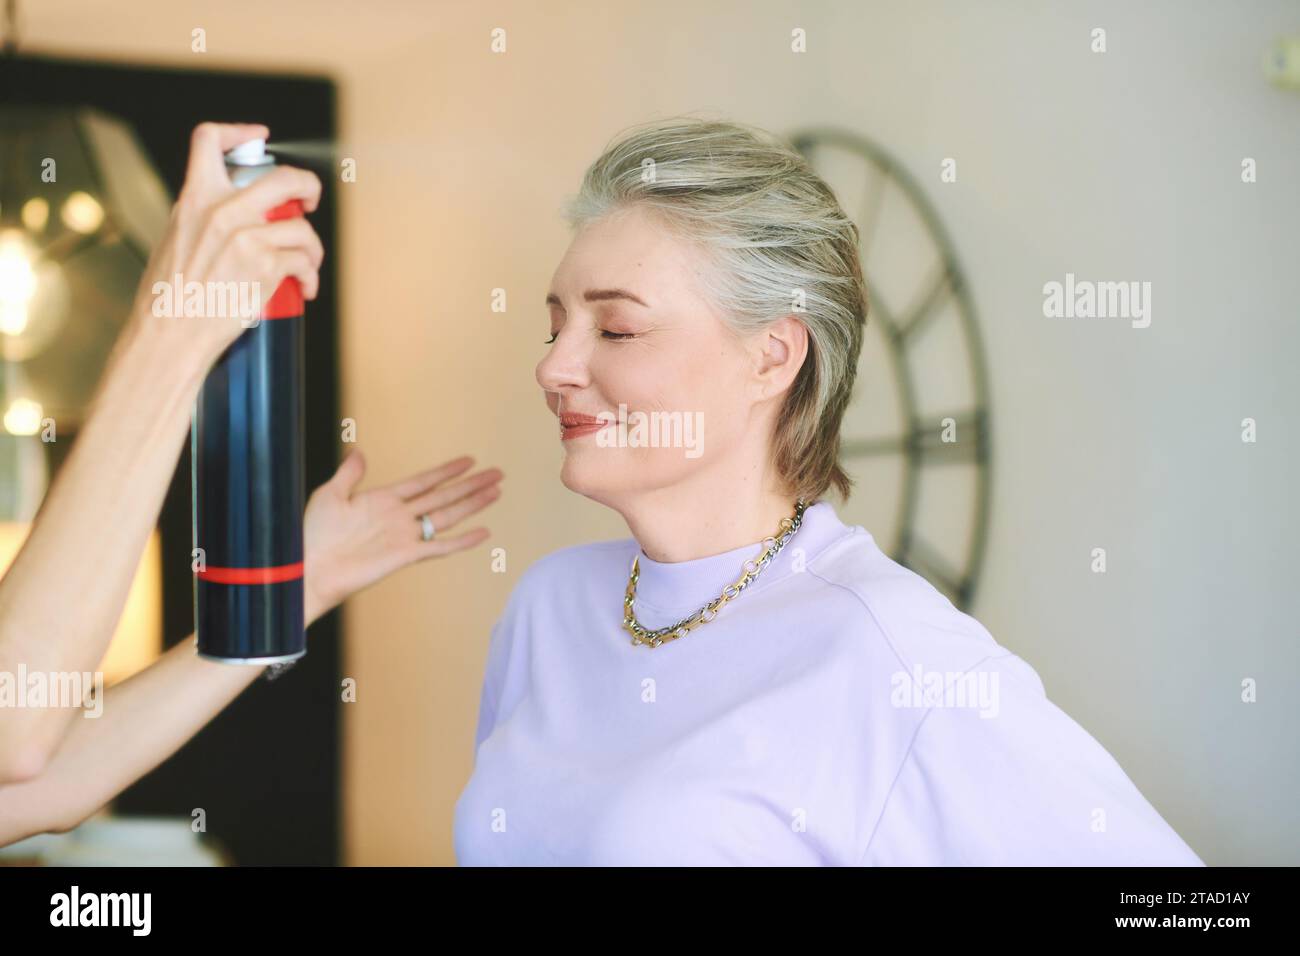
(551, 584)
(997, 774)
(563, 563)
(564, 570)
(989, 769)
(914, 622)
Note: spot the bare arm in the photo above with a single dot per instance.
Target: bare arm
(144, 720)
(352, 539)
(72, 576)
(65, 591)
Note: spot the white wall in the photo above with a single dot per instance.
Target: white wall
(1117, 166)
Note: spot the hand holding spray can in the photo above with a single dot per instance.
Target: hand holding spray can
(249, 478)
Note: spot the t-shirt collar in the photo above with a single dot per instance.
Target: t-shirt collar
(681, 587)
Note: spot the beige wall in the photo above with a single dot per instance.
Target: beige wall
(1119, 166)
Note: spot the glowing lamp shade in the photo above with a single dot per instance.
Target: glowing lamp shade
(81, 207)
(137, 642)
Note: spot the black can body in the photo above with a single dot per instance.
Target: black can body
(249, 485)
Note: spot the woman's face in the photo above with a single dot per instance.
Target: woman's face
(630, 326)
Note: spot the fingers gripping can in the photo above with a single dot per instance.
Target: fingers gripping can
(248, 475)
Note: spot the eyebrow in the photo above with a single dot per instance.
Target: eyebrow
(599, 295)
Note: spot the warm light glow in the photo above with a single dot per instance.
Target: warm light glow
(137, 642)
(17, 282)
(36, 213)
(82, 213)
(23, 417)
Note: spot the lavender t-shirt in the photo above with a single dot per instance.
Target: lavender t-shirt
(840, 712)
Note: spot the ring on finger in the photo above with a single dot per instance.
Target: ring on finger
(427, 531)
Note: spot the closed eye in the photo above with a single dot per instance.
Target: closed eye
(609, 336)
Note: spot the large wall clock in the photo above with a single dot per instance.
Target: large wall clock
(916, 436)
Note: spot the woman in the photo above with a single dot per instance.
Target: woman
(748, 680)
(62, 596)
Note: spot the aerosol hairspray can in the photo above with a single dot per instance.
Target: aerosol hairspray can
(248, 479)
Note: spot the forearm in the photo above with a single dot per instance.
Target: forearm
(61, 599)
(144, 720)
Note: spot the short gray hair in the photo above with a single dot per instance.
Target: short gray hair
(780, 244)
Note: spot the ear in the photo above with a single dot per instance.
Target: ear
(778, 353)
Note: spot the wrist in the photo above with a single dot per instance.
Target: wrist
(313, 608)
(167, 349)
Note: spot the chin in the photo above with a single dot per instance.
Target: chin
(581, 477)
(592, 479)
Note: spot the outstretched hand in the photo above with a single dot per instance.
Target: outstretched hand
(354, 538)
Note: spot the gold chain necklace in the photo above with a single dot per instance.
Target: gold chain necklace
(752, 568)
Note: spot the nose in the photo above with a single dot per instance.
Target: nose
(564, 368)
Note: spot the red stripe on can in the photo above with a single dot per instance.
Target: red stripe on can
(287, 301)
(275, 575)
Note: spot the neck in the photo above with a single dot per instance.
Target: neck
(688, 521)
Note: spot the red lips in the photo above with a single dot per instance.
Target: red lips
(573, 419)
